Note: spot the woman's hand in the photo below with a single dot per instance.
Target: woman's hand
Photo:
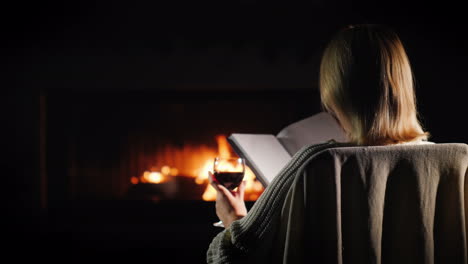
(230, 205)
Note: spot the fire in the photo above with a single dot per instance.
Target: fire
(196, 162)
(154, 177)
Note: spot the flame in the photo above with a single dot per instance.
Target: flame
(224, 150)
(153, 177)
(196, 161)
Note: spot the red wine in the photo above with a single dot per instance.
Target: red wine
(229, 180)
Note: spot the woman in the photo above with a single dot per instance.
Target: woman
(366, 83)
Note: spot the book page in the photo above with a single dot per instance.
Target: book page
(316, 129)
(263, 153)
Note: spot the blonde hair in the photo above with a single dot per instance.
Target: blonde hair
(366, 82)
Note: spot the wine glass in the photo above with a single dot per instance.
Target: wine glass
(228, 172)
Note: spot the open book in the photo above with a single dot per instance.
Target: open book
(267, 154)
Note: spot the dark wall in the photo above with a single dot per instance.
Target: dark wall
(134, 46)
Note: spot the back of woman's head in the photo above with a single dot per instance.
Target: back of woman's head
(367, 84)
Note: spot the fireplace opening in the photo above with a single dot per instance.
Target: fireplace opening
(181, 172)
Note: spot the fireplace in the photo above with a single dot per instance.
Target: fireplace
(155, 145)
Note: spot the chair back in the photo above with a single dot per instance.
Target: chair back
(379, 204)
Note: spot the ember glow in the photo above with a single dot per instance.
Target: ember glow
(196, 162)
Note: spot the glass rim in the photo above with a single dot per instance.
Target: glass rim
(229, 158)
(240, 162)
(238, 159)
